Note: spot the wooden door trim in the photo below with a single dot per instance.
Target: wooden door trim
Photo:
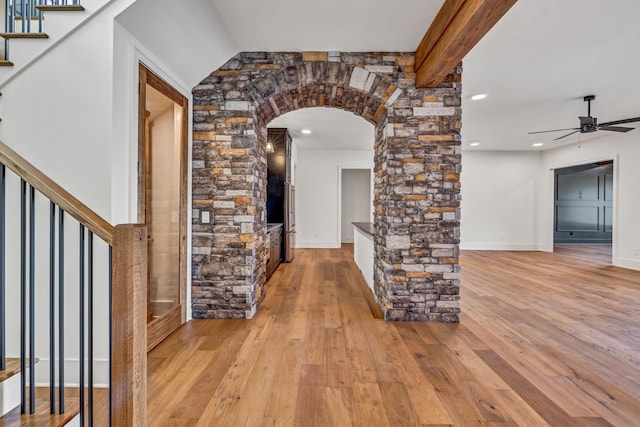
(146, 76)
(163, 326)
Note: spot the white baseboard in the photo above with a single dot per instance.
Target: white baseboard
(317, 245)
(500, 247)
(627, 263)
(72, 373)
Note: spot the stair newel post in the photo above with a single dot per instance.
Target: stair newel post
(128, 391)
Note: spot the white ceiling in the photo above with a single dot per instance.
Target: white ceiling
(538, 63)
(535, 65)
(343, 25)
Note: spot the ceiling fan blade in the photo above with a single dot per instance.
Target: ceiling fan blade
(564, 136)
(554, 130)
(615, 128)
(620, 122)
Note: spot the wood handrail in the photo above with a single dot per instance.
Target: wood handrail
(58, 195)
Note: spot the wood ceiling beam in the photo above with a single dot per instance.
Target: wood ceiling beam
(458, 27)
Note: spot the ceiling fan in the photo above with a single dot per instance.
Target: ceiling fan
(590, 124)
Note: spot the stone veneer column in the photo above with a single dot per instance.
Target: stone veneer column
(417, 168)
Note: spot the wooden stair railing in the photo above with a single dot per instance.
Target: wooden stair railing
(128, 327)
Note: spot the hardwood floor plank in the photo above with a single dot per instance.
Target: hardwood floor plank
(545, 339)
(544, 406)
(402, 411)
(368, 406)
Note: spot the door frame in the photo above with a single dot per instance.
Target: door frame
(550, 201)
(371, 196)
(160, 328)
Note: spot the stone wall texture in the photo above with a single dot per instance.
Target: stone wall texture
(417, 176)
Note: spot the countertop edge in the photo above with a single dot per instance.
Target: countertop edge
(366, 227)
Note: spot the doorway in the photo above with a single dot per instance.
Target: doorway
(583, 209)
(356, 203)
(162, 201)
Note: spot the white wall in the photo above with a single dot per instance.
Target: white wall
(189, 37)
(60, 112)
(73, 114)
(499, 199)
(356, 204)
(317, 193)
(624, 149)
(57, 114)
(507, 197)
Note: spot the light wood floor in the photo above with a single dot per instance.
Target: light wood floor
(544, 340)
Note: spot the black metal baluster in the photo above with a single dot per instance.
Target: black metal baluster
(61, 310)
(23, 10)
(9, 23)
(52, 308)
(110, 331)
(81, 357)
(32, 300)
(3, 276)
(90, 330)
(39, 14)
(23, 296)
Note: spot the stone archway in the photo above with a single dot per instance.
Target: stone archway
(417, 171)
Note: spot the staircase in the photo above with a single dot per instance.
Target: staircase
(25, 19)
(72, 345)
(72, 307)
(48, 23)
(28, 33)
(41, 416)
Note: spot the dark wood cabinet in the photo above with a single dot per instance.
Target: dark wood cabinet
(278, 173)
(275, 249)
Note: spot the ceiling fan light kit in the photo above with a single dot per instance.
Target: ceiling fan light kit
(589, 124)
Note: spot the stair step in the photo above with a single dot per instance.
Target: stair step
(24, 35)
(42, 417)
(33, 18)
(4, 63)
(13, 368)
(61, 7)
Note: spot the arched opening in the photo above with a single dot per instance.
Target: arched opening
(416, 168)
(332, 177)
(338, 141)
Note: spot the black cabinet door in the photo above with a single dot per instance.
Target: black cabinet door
(584, 204)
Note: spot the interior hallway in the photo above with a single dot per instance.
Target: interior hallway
(544, 339)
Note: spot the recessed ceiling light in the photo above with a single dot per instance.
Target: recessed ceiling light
(479, 96)
(538, 144)
(306, 131)
(474, 143)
